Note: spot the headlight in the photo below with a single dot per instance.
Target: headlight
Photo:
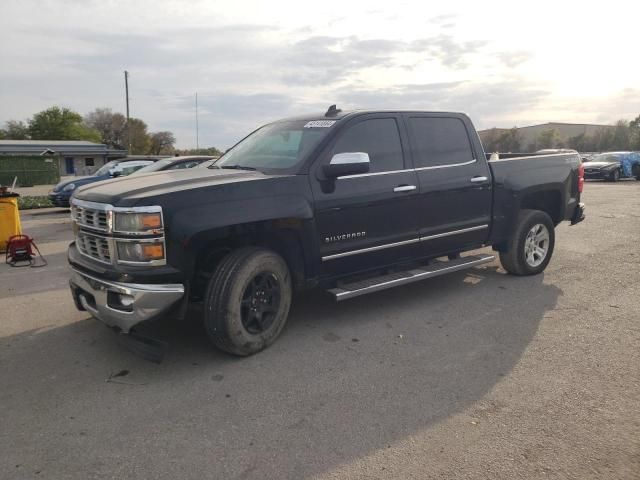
(141, 251)
(138, 222)
(68, 188)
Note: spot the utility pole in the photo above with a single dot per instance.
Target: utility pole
(197, 127)
(126, 89)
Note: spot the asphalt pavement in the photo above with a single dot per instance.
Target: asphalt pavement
(475, 375)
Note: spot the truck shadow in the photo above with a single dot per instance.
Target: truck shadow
(343, 381)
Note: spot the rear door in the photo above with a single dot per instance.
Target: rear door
(455, 184)
(367, 220)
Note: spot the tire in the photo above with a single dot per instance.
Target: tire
(519, 259)
(615, 176)
(245, 283)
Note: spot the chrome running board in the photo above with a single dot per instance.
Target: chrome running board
(434, 269)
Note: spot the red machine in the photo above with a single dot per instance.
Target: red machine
(21, 252)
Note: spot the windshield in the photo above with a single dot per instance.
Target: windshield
(104, 170)
(604, 157)
(155, 166)
(276, 146)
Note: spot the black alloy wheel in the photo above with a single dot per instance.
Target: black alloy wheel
(260, 302)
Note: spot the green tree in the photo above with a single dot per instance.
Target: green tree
(621, 135)
(602, 140)
(15, 130)
(140, 142)
(57, 123)
(161, 142)
(634, 133)
(212, 151)
(490, 140)
(110, 125)
(549, 138)
(510, 141)
(578, 142)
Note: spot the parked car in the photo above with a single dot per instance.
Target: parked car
(549, 151)
(350, 202)
(613, 166)
(62, 192)
(173, 163)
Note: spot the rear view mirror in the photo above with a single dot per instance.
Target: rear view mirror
(348, 163)
(115, 173)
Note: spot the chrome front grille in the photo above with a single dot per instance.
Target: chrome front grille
(90, 217)
(94, 246)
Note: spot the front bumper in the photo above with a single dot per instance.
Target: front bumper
(578, 213)
(598, 174)
(122, 305)
(59, 199)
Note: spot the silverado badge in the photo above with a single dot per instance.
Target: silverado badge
(344, 236)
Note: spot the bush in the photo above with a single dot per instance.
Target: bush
(28, 203)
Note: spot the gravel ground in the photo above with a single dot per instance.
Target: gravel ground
(475, 375)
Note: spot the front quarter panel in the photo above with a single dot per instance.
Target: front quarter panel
(194, 219)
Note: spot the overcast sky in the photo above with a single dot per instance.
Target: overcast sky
(504, 63)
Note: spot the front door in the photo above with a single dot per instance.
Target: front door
(455, 197)
(366, 220)
(68, 166)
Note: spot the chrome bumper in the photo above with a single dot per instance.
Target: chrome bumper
(122, 305)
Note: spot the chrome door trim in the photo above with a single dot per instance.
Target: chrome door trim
(404, 242)
(373, 174)
(454, 232)
(450, 165)
(419, 169)
(370, 249)
(527, 157)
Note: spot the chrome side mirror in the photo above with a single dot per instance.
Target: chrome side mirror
(347, 163)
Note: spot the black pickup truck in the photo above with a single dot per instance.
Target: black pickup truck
(352, 202)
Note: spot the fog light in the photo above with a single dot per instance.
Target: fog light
(126, 300)
(120, 301)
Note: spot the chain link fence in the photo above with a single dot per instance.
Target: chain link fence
(29, 169)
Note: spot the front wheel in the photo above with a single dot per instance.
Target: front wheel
(615, 176)
(531, 244)
(247, 301)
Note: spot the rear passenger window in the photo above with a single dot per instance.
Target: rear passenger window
(439, 141)
(377, 137)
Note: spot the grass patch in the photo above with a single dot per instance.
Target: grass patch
(28, 203)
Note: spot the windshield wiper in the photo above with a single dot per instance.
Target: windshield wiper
(237, 167)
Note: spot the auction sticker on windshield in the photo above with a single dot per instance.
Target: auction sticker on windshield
(319, 124)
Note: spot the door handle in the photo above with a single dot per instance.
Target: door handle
(479, 179)
(404, 188)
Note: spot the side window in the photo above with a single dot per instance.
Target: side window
(377, 137)
(129, 169)
(439, 141)
(183, 165)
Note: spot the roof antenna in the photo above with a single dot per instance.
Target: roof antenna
(333, 111)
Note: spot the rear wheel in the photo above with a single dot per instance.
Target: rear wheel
(531, 244)
(247, 301)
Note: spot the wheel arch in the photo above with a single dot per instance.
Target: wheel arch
(285, 236)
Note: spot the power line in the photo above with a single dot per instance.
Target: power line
(197, 127)
(126, 89)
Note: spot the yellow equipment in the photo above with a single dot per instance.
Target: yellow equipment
(9, 218)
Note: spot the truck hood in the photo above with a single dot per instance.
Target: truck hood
(133, 189)
(599, 164)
